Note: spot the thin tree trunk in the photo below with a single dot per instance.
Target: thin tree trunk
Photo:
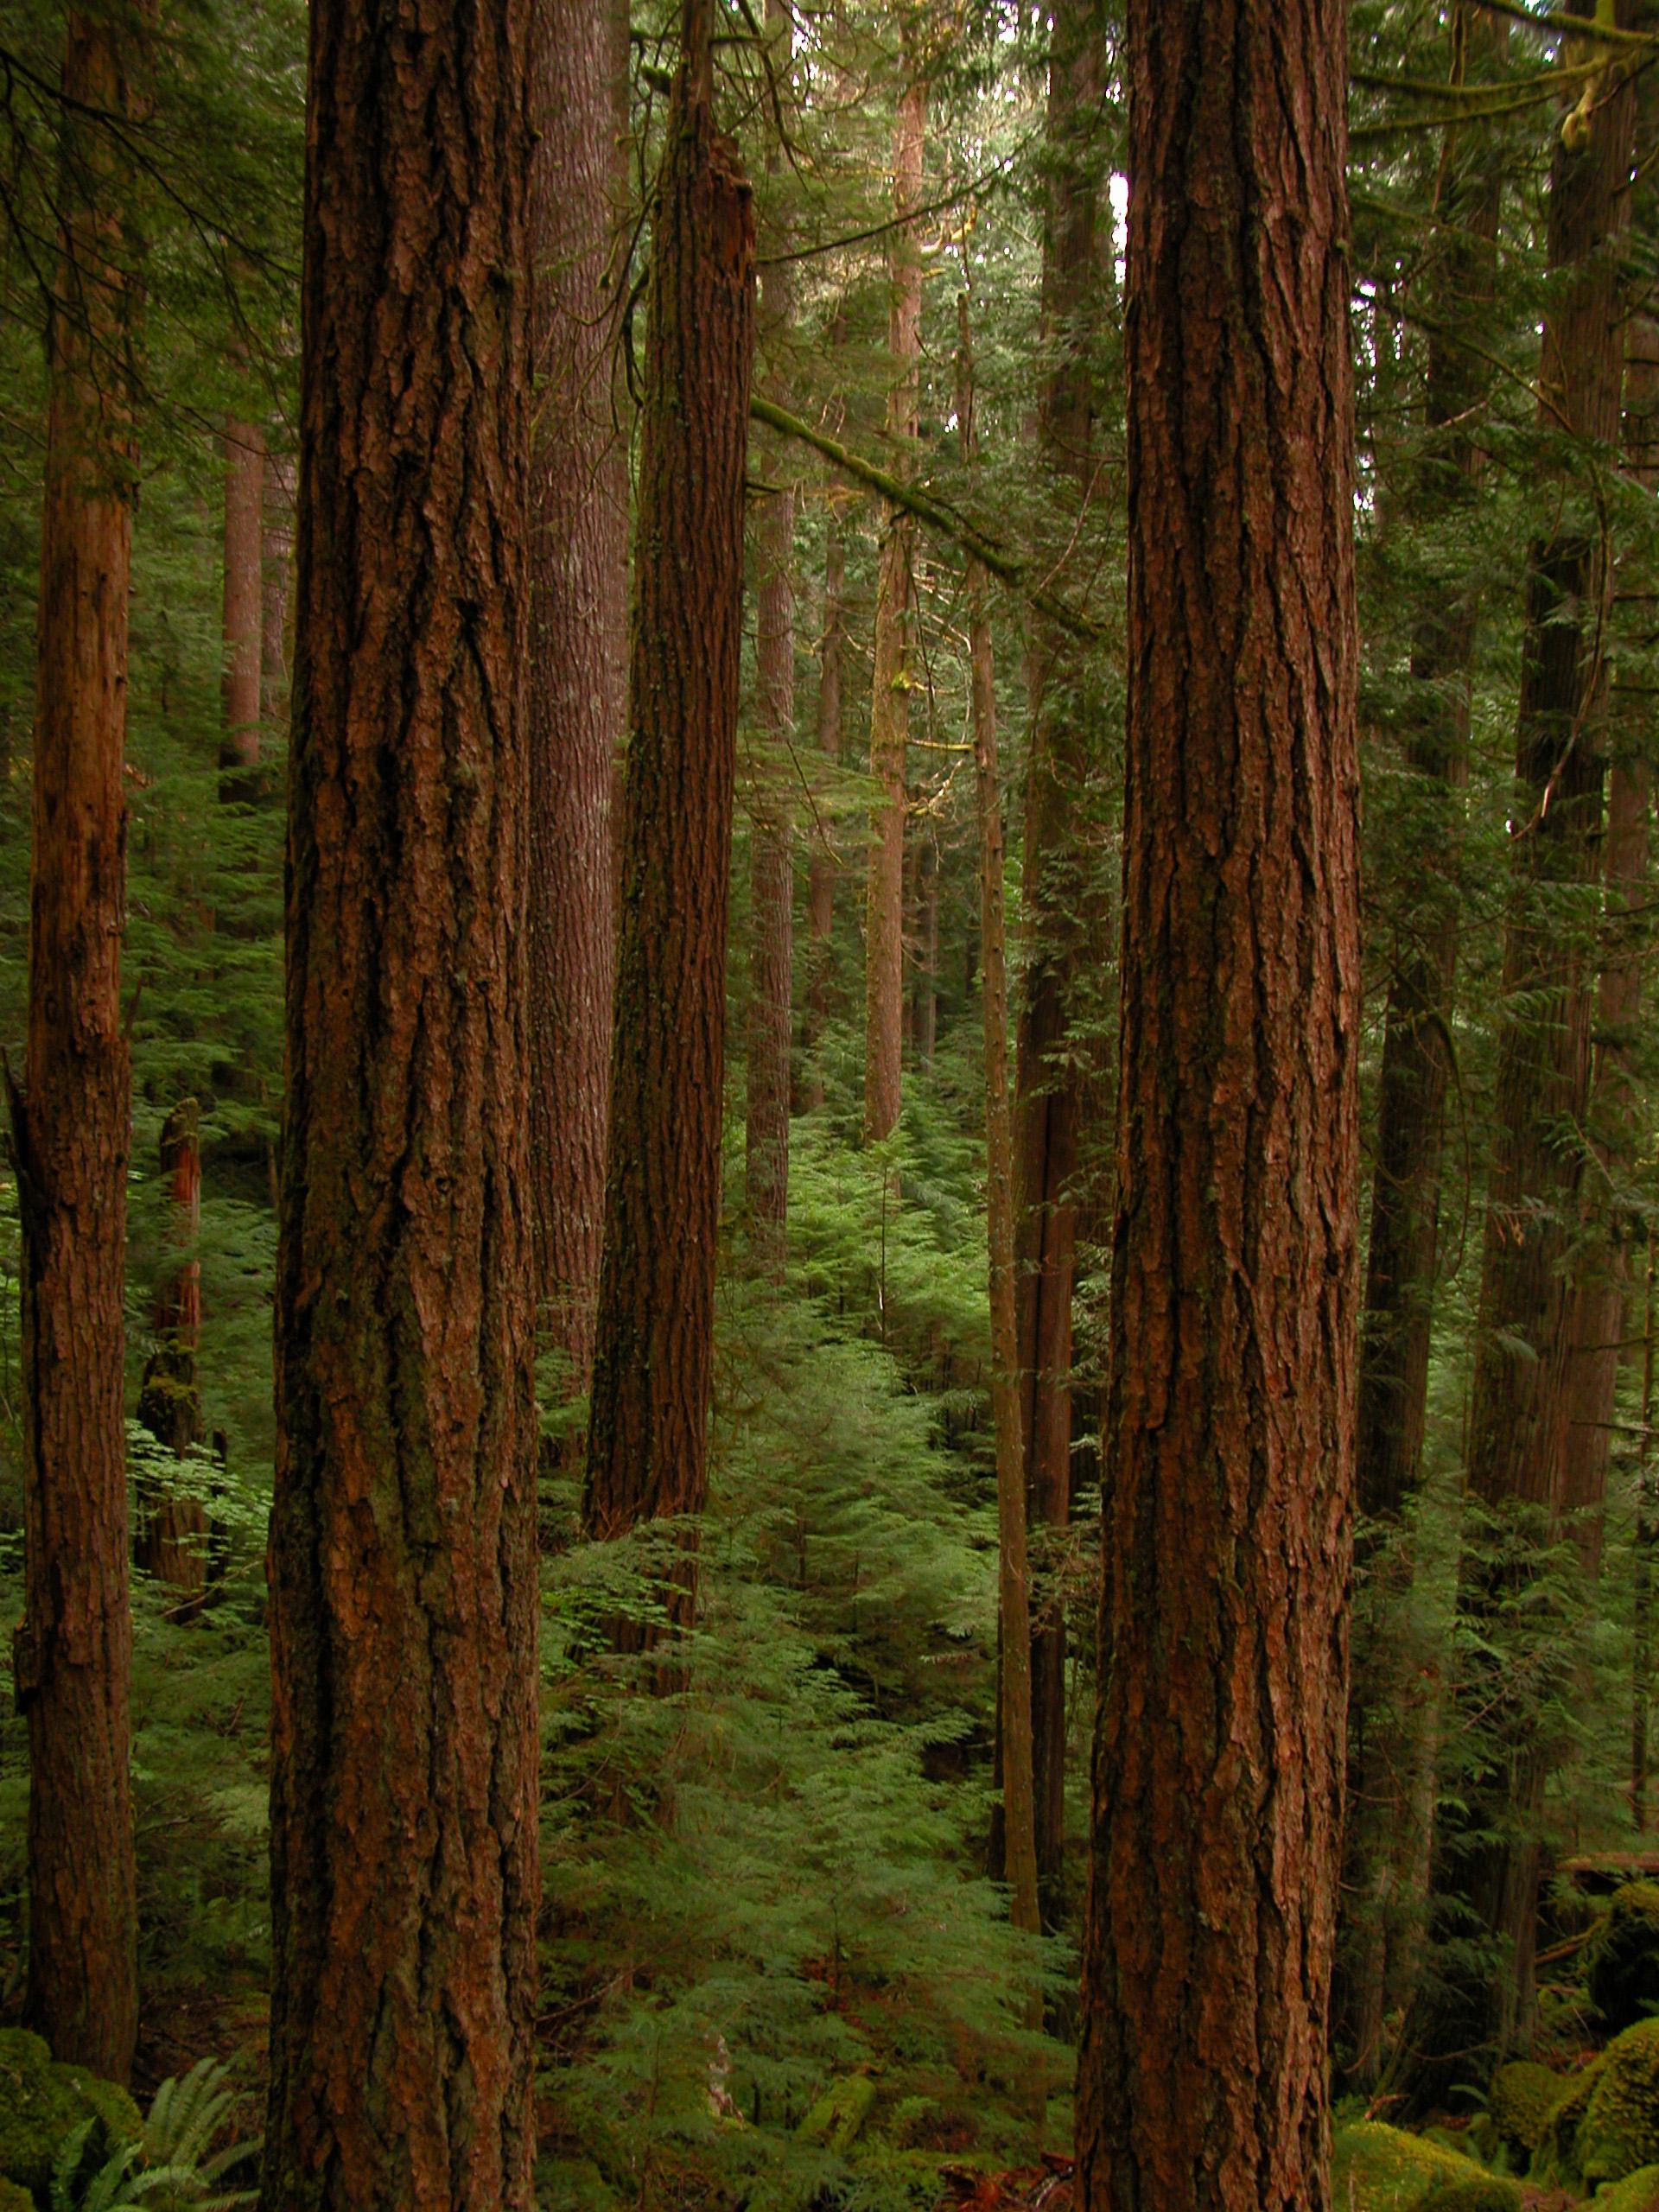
(1647, 1530)
(277, 591)
(1063, 1101)
(403, 1557)
(884, 923)
(170, 1541)
(822, 868)
(653, 1362)
(1218, 1761)
(244, 602)
(1013, 1582)
(73, 1654)
(578, 643)
(771, 850)
(925, 1018)
(1384, 1712)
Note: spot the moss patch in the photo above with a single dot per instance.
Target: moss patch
(1621, 1968)
(1381, 2168)
(1619, 2131)
(1522, 2096)
(40, 2104)
(1637, 2192)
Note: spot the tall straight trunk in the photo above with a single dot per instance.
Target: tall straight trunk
(1218, 1758)
(73, 1654)
(1063, 1105)
(578, 695)
(772, 863)
(276, 590)
(924, 989)
(170, 1541)
(403, 1557)
(1385, 1712)
(884, 916)
(653, 1365)
(243, 606)
(1488, 1857)
(1647, 1530)
(1013, 1579)
(822, 869)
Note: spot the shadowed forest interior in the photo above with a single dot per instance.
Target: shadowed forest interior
(830, 1215)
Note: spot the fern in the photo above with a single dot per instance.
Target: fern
(171, 2167)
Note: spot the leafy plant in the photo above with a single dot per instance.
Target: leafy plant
(171, 2167)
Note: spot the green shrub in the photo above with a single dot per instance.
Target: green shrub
(1622, 1973)
(1520, 2101)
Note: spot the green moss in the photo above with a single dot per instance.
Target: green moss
(1557, 2155)
(1521, 2100)
(841, 2112)
(1637, 2192)
(1382, 2169)
(1620, 2128)
(1622, 1965)
(14, 2197)
(42, 2103)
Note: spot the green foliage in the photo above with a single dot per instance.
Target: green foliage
(43, 2105)
(1621, 1966)
(1520, 2101)
(173, 2164)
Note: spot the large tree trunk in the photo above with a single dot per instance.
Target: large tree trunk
(73, 1654)
(1219, 1742)
(654, 1360)
(884, 922)
(771, 866)
(1385, 1712)
(243, 607)
(1013, 1579)
(403, 1561)
(822, 868)
(1063, 1104)
(578, 643)
(170, 1541)
(1520, 1402)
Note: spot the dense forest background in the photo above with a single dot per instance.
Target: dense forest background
(779, 1961)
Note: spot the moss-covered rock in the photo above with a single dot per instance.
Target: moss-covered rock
(1380, 2169)
(1557, 2159)
(1637, 2192)
(1619, 2131)
(1622, 1964)
(42, 2103)
(14, 2197)
(838, 2115)
(1522, 2098)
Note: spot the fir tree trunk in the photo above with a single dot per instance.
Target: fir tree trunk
(402, 1558)
(772, 875)
(652, 1368)
(1385, 1713)
(1219, 1743)
(822, 870)
(884, 922)
(1488, 1857)
(277, 591)
(170, 1541)
(243, 606)
(73, 1653)
(578, 643)
(1063, 1102)
(1647, 1532)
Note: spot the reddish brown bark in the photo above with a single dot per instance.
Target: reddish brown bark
(579, 643)
(884, 911)
(1520, 1398)
(73, 1653)
(822, 868)
(1062, 1100)
(170, 1541)
(1219, 1742)
(403, 1560)
(1013, 1579)
(1385, 1714)
(243, 606)
(652, 1367)
(771, 865)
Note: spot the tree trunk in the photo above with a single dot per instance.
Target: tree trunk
(578, 695)
(883, 926)
(652, 1368)
(402, 1558)
(1219, 1738)
(1014, 1581)
(243, 606)
(772, 875)
(274, 661)
(1647, 1529)
(73, 1654)
(1520, 1397)
(170, 1542)
(1384, 1712)
(1063, 1102)
(822, 868)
